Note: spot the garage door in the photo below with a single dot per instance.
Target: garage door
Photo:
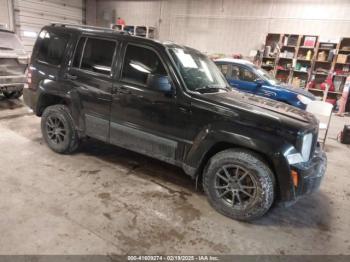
(32, 15)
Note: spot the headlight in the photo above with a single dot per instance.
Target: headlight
(304, 155)
(305, 100)
(306, 147)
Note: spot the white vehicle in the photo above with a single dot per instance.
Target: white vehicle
(13, 64)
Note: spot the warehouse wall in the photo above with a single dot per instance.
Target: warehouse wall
(231, 26)
(6, 19)
(32, 15)
(134, 12)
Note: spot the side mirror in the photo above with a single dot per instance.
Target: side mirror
(159, 83)
(259, 82)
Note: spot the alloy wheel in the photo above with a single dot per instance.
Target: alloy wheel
(235, 186)
(56, 130)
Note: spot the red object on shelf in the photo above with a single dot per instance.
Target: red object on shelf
(120, 21)
(311, 84)
(310, 41)
(331, 101)
(329, 82)
(237, 56)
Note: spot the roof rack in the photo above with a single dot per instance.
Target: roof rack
(106, 29)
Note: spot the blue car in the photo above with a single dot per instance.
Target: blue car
(247, 77)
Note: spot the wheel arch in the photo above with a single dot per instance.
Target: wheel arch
(269, 150)
(46, 99)
(221, 146)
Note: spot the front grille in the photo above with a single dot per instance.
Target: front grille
(11, 67)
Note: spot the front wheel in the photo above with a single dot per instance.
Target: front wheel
(58, 129)
(239, 184)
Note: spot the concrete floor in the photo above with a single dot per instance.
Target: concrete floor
(104, 199)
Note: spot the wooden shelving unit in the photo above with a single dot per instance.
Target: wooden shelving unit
(298, 59)
(136, 30)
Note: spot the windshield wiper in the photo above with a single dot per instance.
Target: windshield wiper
(209, 89)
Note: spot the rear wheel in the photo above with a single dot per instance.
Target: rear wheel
(239, 184)
(58, 129)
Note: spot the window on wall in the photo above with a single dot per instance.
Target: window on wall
(97, 56)
(139, 62)
(51, 47)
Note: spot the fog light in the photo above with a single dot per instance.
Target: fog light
(295, 177)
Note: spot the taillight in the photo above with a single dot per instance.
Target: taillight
(29, 78)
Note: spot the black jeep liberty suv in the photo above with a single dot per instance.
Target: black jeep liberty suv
(172, 103)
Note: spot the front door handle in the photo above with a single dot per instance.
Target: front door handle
(185, 109)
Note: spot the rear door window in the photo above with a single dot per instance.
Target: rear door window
(95, 55)
(51, 47)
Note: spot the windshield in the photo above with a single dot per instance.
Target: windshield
(267, 76)
(9, 41)
(197, 70)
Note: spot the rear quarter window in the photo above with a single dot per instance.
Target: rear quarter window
(51, 47)
(95, 55)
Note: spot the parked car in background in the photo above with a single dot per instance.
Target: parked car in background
(172, 103)
(247, 77)
(13, 64)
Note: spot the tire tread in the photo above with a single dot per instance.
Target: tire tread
(74, 138)
(259, 164)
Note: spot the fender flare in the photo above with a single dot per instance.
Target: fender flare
(69, 97)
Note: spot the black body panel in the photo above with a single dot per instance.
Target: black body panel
(182, 127)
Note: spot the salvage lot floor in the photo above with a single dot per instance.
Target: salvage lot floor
(104, 199)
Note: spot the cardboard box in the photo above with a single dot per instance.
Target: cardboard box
(296, 82)
(342, 59)
(322, 56)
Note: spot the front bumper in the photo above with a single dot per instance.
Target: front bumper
(310, 174)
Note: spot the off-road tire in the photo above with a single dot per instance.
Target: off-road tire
(13, 94)
(71, 140)
(265, 183)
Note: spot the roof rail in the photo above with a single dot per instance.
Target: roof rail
(106, 29)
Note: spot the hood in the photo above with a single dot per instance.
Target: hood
(259, 105)
(20, 54)
(297, 90)
(10, 46)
